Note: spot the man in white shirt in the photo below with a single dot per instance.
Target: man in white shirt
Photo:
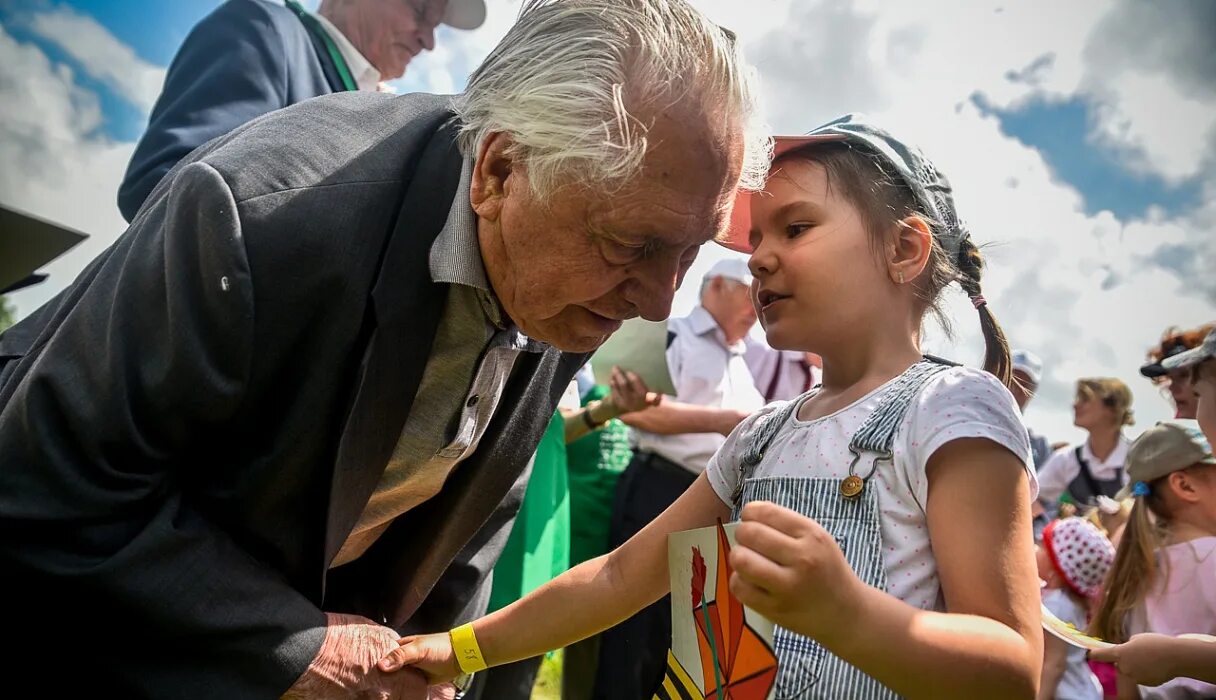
(251, 57)
(782, 375)
(1027, 373)
(714, 391)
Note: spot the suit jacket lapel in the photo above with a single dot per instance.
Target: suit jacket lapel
(405, 310)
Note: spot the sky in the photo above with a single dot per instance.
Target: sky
(1080, 138)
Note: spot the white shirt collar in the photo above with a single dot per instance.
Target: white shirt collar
(367, 78)
(1114, 460)
(703, 322)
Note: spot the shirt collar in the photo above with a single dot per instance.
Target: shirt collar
(455, 258)
(1114, 460)
(456, 253)
(702, 322)
(367, 78)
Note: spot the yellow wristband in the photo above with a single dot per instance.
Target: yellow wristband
(468, 653)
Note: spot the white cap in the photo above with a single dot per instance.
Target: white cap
(464, 14)
(1029, 363)
(731, 268)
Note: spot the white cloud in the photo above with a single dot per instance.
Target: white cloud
(101, 54)
(1088, 293)
(55, 164)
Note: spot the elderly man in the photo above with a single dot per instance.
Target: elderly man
(250, 57)
(242, 450)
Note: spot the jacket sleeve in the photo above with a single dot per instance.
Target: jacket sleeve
(231, 69)
(98, 447)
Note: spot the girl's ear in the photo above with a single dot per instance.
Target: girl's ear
(909, 248)
(1183, 486)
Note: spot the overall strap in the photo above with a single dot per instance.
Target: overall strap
(877, 433)
(1087, 477)
(766, 430)
(1096, 487)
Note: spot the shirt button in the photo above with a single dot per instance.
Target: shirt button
(472, 401)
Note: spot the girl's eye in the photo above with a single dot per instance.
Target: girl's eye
(794, 230)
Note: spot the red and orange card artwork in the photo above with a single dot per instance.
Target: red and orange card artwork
(720, 649)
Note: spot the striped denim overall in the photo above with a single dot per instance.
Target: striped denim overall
(806, 669)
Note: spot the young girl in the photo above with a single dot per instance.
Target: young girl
(885, 516)
(1164, 576)
(1073, 560)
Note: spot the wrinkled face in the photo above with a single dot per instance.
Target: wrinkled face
(733, 308)
(1205, 387)
(1182, 393)
(816, 270)
(389, 33)
(569, 269)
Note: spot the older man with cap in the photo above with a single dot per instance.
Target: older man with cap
(286, 416)
(1027, 373)
(714, 391)
(250, 57)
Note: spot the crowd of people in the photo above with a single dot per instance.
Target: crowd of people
(321, 424)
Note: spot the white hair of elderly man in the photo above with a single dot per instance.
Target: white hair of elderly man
(571, 77)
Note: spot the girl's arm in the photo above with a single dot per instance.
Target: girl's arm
(988, 645)
(591, 597)
(1055, 656)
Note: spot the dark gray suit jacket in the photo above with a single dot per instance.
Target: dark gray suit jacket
(189, 432)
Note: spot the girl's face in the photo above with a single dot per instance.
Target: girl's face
(817, 275)
(1090, 412)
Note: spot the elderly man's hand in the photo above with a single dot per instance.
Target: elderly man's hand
(345, 666)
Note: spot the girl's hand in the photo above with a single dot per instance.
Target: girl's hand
(1151, 659)
(429, 653)
(789, 569)
(629, 393)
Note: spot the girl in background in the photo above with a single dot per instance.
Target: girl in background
(1164, 576)
(1073, 560)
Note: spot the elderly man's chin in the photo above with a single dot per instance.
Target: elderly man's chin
(574, 329)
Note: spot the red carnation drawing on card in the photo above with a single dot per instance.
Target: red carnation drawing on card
(736, 661)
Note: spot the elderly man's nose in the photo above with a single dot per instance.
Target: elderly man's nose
(652, 295)
(655, 307)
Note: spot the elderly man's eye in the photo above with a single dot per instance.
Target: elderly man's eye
(620, 253)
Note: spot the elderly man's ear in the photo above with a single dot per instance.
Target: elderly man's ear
(492, 175)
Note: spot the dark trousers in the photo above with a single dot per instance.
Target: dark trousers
(634, 653)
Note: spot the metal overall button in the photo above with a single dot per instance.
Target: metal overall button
(852, 485)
